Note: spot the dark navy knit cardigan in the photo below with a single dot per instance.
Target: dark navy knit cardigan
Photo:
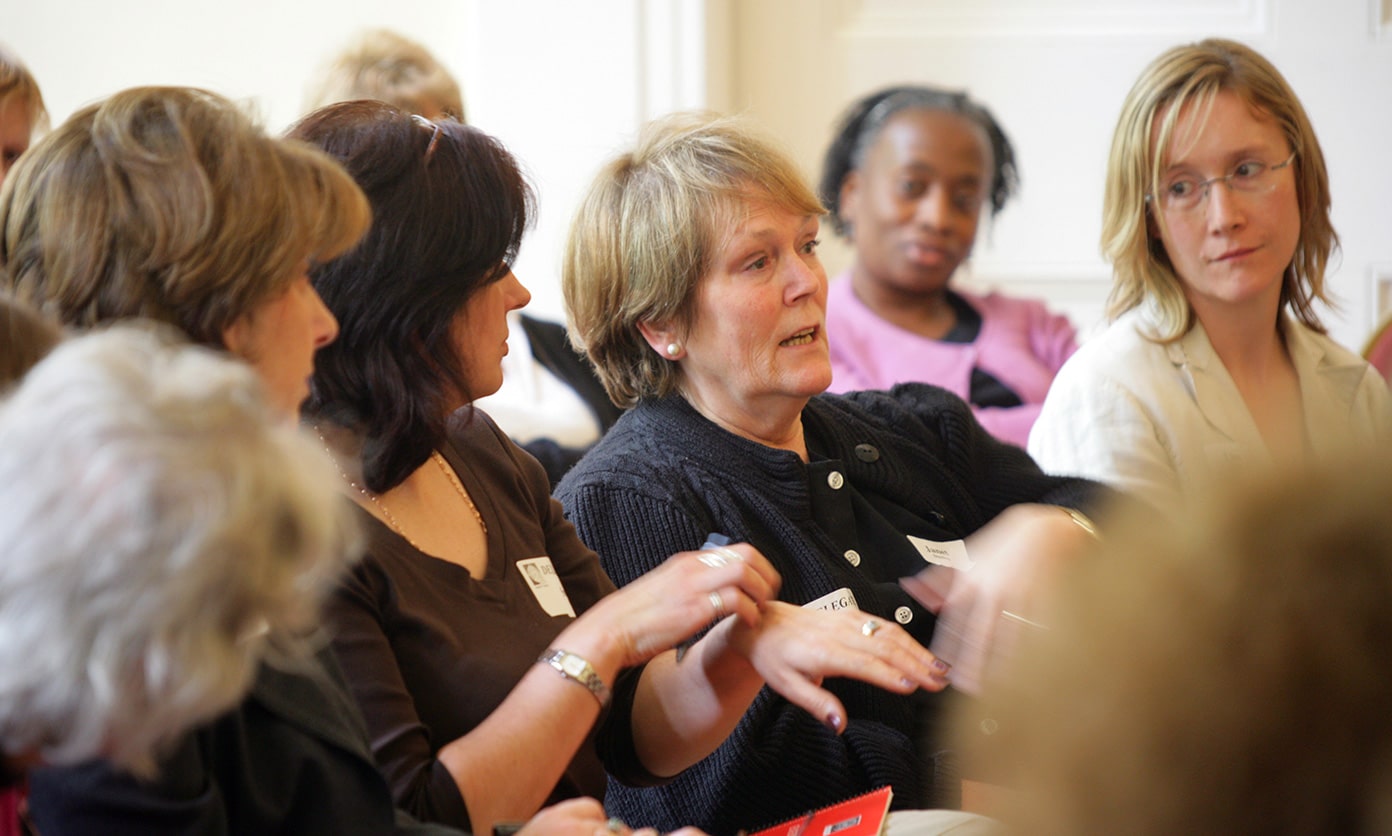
(665, 476)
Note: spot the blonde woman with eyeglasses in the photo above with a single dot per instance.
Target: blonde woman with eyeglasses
(1216, 221)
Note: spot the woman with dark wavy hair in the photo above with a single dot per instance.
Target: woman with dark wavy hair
(480, 636)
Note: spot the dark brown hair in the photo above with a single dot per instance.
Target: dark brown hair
(449, 208)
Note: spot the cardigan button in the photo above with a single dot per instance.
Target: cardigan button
(836, 480)
(867, 452)
(852, 557)
(903, 615)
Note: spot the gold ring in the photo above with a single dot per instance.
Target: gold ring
(869, 628)
(1020, 619)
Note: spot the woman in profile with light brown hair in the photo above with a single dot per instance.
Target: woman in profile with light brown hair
(170, 204)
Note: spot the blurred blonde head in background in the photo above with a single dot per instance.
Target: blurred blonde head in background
(384, 65)
(1228, 675)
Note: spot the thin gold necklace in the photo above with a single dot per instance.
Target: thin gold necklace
(463, 494)
(387, 515)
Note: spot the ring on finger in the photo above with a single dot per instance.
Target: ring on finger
(718, 602)
(1021, 620)
(869, 628)
(614, 825)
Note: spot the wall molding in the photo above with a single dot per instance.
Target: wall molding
(672, 57)
(1378, 302)
(1380, 17)
(945, 19)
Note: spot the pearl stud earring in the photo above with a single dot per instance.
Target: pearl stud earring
(673, 349)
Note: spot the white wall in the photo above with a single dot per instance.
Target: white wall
(565, 83)
(1055, 72)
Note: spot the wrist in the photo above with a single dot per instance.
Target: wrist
(578, 670)
(724, 652)
(593, 637)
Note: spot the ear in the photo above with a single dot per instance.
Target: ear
(850, 198)
(238, 337)
(659, 337)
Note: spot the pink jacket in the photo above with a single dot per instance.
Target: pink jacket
(1021, 344)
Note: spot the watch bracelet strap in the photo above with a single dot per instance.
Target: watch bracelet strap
(577, 669)
(1081, 520)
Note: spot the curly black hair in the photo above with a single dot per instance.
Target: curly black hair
(862, 122)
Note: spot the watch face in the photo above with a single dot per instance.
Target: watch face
(574, 665)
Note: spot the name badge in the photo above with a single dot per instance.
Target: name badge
(949, 553)
(841, 599)
(546, 585)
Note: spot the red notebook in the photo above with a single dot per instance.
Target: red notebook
(864, 815)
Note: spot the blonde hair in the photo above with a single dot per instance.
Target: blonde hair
(164, 533)
(169, 203)
(17, 83)
(1225, 676)
(1191, 76)
(649, 229)
(383, 65)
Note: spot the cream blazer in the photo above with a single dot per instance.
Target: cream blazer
(1159, 421)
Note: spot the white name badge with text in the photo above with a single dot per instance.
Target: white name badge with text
(841, 599)
(949, 553)
(546, 585)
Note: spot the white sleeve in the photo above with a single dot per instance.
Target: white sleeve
(1091, 425)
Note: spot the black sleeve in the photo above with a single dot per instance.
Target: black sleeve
(96, 798)
(555, 458)
(992, 473)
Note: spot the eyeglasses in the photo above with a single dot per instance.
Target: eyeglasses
(1248, 177)
(434, 135)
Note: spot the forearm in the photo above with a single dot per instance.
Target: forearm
(509, 764)
(684, 710)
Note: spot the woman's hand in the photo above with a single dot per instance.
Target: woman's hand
(674, 601)
(983, 611)
(585, 817)
(794, 649)
(545, 718)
